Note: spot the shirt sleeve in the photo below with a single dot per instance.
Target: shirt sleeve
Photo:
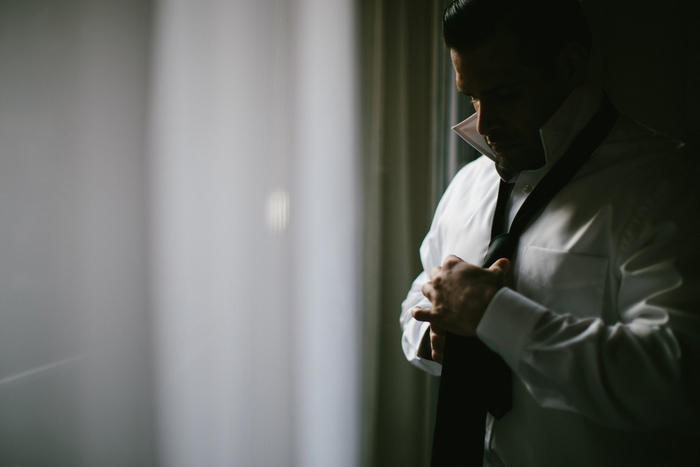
(431, 255)
(413, 331)
(639, 373)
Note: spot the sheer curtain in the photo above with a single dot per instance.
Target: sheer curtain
(181, 196)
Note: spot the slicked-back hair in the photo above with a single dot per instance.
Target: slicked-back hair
(541, 27)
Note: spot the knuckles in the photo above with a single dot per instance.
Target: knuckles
(451, 261)
(427, 289)
(417, 313)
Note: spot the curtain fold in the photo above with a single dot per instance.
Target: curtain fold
(400, 40)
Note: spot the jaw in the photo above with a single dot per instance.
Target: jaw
(519, 157)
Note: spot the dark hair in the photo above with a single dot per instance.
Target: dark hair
(541, 27)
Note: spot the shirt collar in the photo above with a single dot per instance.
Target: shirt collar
(556, 134)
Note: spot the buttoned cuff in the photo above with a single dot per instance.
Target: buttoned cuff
(507, 324)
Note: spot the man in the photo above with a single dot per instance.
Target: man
(597, 313)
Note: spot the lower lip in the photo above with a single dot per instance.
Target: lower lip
(502, 148)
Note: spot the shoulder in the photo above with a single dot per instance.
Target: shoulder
(648, 178)
(468, 187)
(636, 159)
(478, 171)
(638, 178)
(471, 182)
(636, 148)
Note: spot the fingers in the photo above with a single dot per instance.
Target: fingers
(451, 261)
(437, 356)
(422, 314)
(437, 344)
(435, 272)
(501, 266)
(428, 290)
(438, 340)
(437, 329)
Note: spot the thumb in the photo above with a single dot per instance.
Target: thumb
(502, 265)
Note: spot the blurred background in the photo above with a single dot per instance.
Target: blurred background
(210, 212)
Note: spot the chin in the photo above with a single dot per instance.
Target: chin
(515, 160)
(511, 164)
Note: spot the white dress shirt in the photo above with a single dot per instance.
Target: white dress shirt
(600, 322)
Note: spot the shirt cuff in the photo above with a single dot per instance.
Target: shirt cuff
(507, 324)
(412, 336)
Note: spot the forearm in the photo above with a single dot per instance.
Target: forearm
(628, 376)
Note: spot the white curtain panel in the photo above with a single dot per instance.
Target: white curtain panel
(255, 233)
(180, 197)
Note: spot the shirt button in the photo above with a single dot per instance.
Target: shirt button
(527, 188)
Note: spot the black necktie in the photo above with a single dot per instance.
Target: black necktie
(476, 380)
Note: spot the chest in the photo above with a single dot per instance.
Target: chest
(563, 260)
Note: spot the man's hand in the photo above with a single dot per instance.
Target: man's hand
(437, 342)
(459, 293)
(432, 346)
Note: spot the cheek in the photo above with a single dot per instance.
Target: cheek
(528, 118)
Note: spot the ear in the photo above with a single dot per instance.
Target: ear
(572, 65)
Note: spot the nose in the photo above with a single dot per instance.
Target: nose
(488, 118)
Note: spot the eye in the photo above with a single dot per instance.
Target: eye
(471, 99)
(507, 94)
